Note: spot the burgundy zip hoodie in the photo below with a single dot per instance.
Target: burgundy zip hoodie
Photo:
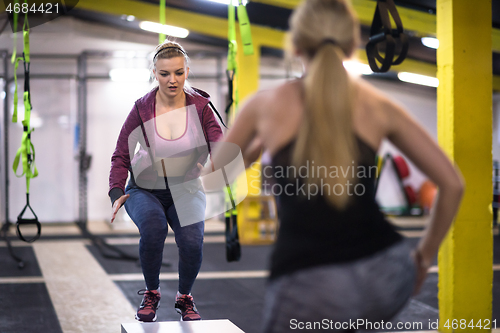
(144, 109)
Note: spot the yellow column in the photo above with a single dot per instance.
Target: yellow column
(249, 210)
(465, 132)
(248, 83)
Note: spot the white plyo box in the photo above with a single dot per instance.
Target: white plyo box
(202, 326)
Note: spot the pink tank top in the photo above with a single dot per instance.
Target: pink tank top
(179, 147)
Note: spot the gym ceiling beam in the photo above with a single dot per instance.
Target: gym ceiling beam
(199, 23)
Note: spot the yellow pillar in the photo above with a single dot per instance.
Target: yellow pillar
(465, 132)
(251, 226)
(248, 83)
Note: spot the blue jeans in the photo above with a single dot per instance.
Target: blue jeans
(151, 211)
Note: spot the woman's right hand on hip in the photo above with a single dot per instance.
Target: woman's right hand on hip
(118, 203)
(422, 267)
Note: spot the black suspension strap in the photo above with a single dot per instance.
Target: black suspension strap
(233, 248)
(230, 91)
(381, 32)
(217, 113)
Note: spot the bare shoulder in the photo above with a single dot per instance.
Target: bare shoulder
(375, 105)
(255, 102)
(369, 97)
(267, 102)
(284, 91)
(287, 91)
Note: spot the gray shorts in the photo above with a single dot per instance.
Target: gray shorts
(324, 298)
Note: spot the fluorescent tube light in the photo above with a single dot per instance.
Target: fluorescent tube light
(164, 29)
(418, 79)
(226, 2)
(431, 42)
(357, 68)
(129, 74)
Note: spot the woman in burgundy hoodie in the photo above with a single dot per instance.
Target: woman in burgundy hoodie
(164, 143)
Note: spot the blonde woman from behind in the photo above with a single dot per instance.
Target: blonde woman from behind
(336, 256)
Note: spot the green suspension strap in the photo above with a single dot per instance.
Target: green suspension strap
(245, 30)
(14, 53)
(26, 153)
(246, 37)
(163, 19)
(14, 60)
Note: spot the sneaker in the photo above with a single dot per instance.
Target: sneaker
(185, 306)
(150, 303)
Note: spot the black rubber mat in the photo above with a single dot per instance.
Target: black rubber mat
(9, 267)
(115, 266)
(496, 249)
(27, 308)
(496, 297)
(214, 259)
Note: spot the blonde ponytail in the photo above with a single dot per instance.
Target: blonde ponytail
(325, 32)
(326, 135)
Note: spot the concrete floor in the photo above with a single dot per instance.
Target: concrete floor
(68, 285)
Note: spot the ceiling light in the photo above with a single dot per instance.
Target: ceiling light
(431, 42)
(129, 74)
(226, 2)
(357, 68)
(418, 79)
(130, 18)
(164, 29)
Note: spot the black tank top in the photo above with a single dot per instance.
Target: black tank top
(312, 232)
